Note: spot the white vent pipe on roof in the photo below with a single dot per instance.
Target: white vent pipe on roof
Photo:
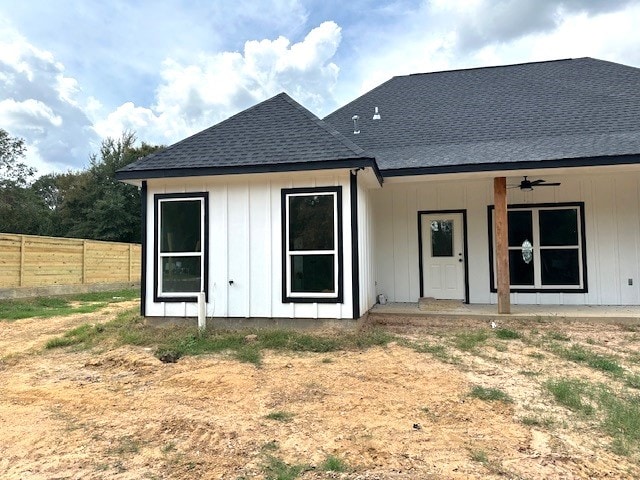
(376, 114)
(356, 130)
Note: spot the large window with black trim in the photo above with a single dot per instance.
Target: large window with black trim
(180, 246)
(546, 248)
(312, 244)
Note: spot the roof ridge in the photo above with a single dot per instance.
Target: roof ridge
(221, 122)
(326, 126)
(488, 67)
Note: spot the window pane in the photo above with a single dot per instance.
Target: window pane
(560, 267)
(180, 224)
(520, 227)
(559, 227)
(442, 238)
(520, 272)
(312, 273)
(311, 222)
(181, 274)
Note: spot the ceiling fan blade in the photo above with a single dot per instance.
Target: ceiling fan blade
(553, 184)
(537, 182)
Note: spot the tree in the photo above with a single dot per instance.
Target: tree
(11, 169)
(21, 209)
(93, 204)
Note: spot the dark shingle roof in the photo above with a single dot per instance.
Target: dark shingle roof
(278, 132)
(564, 111)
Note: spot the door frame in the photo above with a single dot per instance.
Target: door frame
(465, 250)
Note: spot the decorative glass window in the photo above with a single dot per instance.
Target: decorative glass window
(180, 246)
(546, 248)
(442, 238)
(312, 245)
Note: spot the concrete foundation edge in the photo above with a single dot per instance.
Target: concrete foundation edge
(53, 290)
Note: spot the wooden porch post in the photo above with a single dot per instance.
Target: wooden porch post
(501, 236)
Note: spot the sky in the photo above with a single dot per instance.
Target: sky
(74, 72)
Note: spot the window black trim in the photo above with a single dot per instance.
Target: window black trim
(143, 249)
(156, 225)
(583, 246)
(465, 248)
(285, 274)
(355, 247)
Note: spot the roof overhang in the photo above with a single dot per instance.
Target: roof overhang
(514, 166)
(134, 176)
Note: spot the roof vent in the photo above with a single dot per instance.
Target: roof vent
(376, 114)
(356, 129)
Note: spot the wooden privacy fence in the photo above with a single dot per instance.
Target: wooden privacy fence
(31, 261)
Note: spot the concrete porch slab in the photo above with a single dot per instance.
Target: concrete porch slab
(605, 313)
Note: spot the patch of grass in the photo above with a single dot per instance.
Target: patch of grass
(45, 307)
(579, 354)
(571, 393)
(438, 351)
(173, 343)
(506, 334)
(468, 341)
(621, 415)
(632, 380)
(248, 354)
(479, 456)
(126, 445)
(84, 335)
(334, 464)
(489, 394)
(537, 421)
(558, 336)
(276, 469)
(327, 360)
(168, 447)
(536, 355)
(270, 446)
(280, 416)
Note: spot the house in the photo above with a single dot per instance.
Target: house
(430, 185)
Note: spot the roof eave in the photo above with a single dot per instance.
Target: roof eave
(366, 162)
(525, 165)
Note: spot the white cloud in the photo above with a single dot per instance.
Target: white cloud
(437, 36)
(39, 103)
(194, 96)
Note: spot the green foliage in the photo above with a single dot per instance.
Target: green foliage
(632, 380)
(577, 353)
(558, 336)
(489, 394)
(468, 341)
(506, 334)
(571, 393)
(276, 469)
(334, 464)
(479, 456)
(280, 416)
(12, 171)
(85, 204)
(535, 421)
(45, 307)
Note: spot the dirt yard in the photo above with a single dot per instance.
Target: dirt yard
(388, 413)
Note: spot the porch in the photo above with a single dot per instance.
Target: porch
(400, 312)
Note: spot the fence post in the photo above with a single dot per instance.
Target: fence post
(22, 247)
(84, 261)
(130, 247)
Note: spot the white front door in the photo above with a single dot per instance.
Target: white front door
(443, 272)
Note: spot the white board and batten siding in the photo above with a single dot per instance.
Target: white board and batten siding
(245, 246)
(612, 234)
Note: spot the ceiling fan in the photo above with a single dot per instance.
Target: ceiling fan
(527, 184)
